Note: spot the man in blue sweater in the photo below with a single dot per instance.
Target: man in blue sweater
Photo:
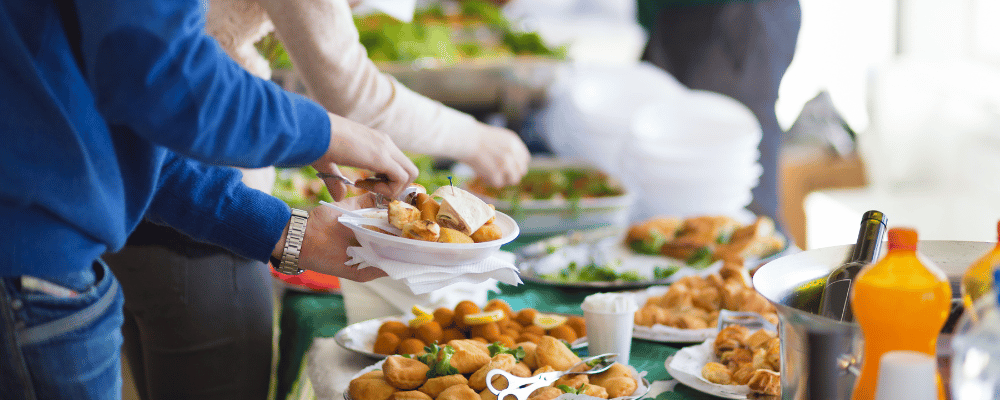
(112, 110)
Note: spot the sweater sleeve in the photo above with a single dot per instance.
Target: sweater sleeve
(323, 42)
(211, 204)
(153, 69)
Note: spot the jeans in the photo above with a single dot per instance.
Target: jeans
(56, 347)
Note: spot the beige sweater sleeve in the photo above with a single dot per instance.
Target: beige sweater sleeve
(322, 41)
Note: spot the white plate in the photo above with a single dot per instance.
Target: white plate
(685, 366)
(423, 252)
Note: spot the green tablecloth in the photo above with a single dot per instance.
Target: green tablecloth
(305, 316)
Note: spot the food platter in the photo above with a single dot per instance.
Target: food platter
(685, 366)
(423, 252)
(667, 334)
(603, 246)
(360, 337)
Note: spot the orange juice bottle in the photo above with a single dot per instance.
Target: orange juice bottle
(901, 303)
(978, 279)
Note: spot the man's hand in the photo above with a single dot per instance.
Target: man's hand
(324, 248)
(356, 145)
(501, 158)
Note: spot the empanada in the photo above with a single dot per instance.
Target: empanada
(434, 386)
(370, 389)
(469, 356)
(551, 351)
(620, 386)
(503, 361)
(458, 392)
(404, 373)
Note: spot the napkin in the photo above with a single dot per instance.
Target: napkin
(422, 279)
(398, 9)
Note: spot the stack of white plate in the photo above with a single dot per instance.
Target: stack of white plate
(692, 155)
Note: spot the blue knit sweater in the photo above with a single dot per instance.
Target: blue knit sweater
(111, 110)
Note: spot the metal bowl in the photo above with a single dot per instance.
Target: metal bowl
(794, 284)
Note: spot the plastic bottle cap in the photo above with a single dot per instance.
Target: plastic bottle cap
(902, 239)
(906, 375)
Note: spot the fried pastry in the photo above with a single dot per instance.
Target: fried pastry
(759, 339)
(578, 324)
(551, 351)
(617, 370)
(717, 373)
(528, 337)
(404, 373)
(546, 393)
(760, 360)
(507, 341)
(736, 357)
(573, 380)
(429, 332)
(410, 395)
(489, 331)
(400, 329)
(521, 369)
(370, 389)
(487, 232)
(766, 382)
(422, 229)
(564, 332)
(427, 205)
(458, 392)
(486, 394)
(729, 338)
(620, 386)
(401, 214)
(689, 321)
(501, 361)
(449, 235)
(542, 370)
(707, 298)
(529, 354)
(452, 334)
(742, 374)
(655, 229)
(526, 317)
(434, 386)
(469, 356)
(596, 391)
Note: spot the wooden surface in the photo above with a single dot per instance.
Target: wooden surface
(807, 169)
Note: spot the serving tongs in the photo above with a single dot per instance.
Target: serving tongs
(521, 388)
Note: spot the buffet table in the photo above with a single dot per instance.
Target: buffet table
(305, 316)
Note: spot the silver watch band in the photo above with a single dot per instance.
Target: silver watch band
(293, 243)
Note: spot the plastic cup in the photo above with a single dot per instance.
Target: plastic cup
(609, 318)
(906, 375)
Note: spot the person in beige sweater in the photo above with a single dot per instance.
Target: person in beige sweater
(198, 318)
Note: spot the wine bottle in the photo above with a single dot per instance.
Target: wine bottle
(834, 303)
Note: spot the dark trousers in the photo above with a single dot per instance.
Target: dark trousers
(198, 319)
(740, 49)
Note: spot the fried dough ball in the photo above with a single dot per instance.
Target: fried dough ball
(430, 332)
(564, 332)
(469, 355)
(529, 353)
(410, 395)
(434, 386)
(716, 373)
(500, 304)
(553, 352)
(463, 308)
(486, 233)
(534, 330)
(620, 386)
(596, 391)
(411, 346)
(528, 337)
(546, 393)
(427, 205)
(617, 370)
(444, 317)
(400, 329)
(526, 317)
(521, 370)
(507, 341)
(422, 229)
(458, 392)
(452, 334)
(578, 324)
(371, 388)
(508, 324)
(501, 361)
(489, 331)
(572, 380)
(386, 343)
(401, 214)
(404, 373)
(449, 235)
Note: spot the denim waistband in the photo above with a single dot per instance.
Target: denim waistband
(105, 291)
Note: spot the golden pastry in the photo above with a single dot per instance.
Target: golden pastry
(427, 205)
(487, 395)
(410, 395)
(730, 338)
(574, 381)
(596, 391)
(422, 229)
(434, 386)
(533, 329)
(528, 337)
(521, 369)
(501, 361)
(449, 235)
(759, 339)
(404, 373)
(546, 393)
(507, 341)
(760, 360)
(542, 370)
(620, 386)
(552, 352)
(741, 376)
(707, 298)
(529, 354)
(487, 232)
(489, 331)
(689, 321)
(617, 370)
(401, 214)
(458, 392)
(452, 334)
(469, 355)
(736, 357)
(766, 382)
(717, 373)
(370, 389)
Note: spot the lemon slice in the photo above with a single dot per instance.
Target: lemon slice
(420, 320)
(549, 321)
(419, 311)
(484, 317)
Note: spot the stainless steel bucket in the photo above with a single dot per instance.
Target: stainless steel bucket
(794, 284)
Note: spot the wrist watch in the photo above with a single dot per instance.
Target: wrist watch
(289, 264)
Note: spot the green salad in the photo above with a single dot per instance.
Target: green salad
(594, 272)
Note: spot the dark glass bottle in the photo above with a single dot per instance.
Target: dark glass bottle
(835, 303)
